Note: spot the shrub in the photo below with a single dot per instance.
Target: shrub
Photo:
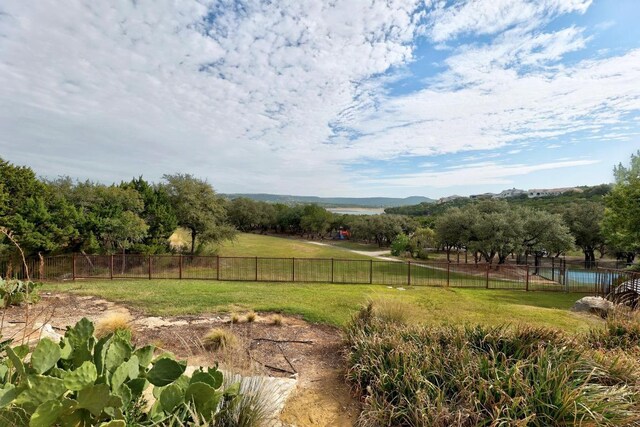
(393, 311)
(621, 330)
(251, 317)
(87, 381)
(219, 339)
(399, 245)
(15, 292)
(277, 320)
(115, 321)
(235, 318)
(482, 375)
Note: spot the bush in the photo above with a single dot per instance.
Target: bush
(15, 292)
(399, 245)
(113, 322)
(88, 381)
(277, 320)
(219, 339)
(621, 330)
(468, 376)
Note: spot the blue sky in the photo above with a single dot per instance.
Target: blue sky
(341, 98)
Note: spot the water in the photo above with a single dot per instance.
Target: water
(356, 211)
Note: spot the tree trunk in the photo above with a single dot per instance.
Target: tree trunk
(193, 241)
(124, 261)
(630, 257)
(537, 261)
(589, 257)
(41, 269)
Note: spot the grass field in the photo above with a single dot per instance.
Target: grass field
(334, 304)
(251, 245)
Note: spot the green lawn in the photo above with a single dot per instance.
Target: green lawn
(334, 304)
(247, 244)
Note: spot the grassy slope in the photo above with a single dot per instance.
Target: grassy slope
(334, 304)
(247, 244)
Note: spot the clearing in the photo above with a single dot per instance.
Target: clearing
(175, 315)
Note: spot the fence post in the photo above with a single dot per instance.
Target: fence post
(448, 274)
(73, 266)
(256, 269)
(487, 276)
(111, 267)
(331, 270)
(527, 280)
(409, 273)
(180, 267)
(217, 267)
(293, 269)
(370, 271)
(149, 267)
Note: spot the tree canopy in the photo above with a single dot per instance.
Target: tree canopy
(621, 219)
(198, 209)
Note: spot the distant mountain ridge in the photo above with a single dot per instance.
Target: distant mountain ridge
(363, 202)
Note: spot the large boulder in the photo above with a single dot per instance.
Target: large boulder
(596, 305)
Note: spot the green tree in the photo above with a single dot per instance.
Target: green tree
(584, 221)
(246, 214)
(157, 213)
(315, 220)
(621, 220)
(41, 219)
(421, 241)
(109, 217)
(453, 229)
(198, 209)
(400, 244)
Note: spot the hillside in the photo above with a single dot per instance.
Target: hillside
(369, 202)
(551, 203)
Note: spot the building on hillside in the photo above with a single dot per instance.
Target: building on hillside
(546, 192)
(442, 200)
(505, 194)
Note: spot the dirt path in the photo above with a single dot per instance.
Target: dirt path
(311, 353)
(372, 254)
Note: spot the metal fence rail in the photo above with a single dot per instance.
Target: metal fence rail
(547, 276)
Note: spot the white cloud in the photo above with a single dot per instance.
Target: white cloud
(492, 16)
(289, 96)
(478, 174)
(240, 92)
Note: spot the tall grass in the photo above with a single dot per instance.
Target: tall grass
(468, 376)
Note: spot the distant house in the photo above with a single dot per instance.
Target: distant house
(505, 194)
(449, 199)
(546, 192)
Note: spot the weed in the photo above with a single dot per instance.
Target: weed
(235, 318)
(219, 339)
(114, 322)
(251, 317)
(277, 320)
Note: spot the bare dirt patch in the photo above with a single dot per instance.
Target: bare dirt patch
(311, 353)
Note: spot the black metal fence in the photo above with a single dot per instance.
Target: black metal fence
(549, 276)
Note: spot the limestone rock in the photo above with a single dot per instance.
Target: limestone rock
(597, 305)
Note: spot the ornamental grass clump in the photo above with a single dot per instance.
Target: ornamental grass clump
(219, 339)
(481, 375)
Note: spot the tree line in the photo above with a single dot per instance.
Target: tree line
(63, 215)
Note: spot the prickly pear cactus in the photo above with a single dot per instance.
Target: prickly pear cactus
(85, 381)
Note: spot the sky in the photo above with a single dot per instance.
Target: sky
(335, 98)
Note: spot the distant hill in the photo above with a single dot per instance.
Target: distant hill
(368, 202)
(551, 203)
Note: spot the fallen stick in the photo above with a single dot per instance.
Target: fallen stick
(283, 341)
(287, 359)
